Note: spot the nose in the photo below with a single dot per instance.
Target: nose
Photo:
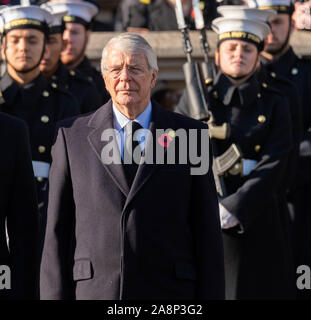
(125, 74)
(67, 35)
(239, 52)
(46, 52)
(22, 45)
(272, 28)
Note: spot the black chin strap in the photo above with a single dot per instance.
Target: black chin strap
(283, 46)
(32, 68)
(82, 53)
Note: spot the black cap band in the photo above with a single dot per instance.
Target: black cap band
(25, 24)
(241, 35)
(75, 19)
(57, 29)
(279, 9)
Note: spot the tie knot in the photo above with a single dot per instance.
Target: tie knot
(131, 127)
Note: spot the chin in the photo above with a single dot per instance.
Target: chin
(67, 58)
(272, 48)
(238, 73)
(127, 102)
(23, 68)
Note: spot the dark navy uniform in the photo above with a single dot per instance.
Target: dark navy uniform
(82, 88)
(258, 261)
(40, 105)
(288, 89)
(298, 71)
(86, 69)
(18, 208)
(158, 15)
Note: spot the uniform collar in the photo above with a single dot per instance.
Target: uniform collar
(34, 90)
(11, 90)
(61, 74)
(84, 65)
(283, 64)
(229, 93)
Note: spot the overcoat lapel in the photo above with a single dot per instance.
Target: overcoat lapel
(103, 120)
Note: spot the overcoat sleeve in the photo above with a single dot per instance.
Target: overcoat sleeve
(56, 280)
(207, 236)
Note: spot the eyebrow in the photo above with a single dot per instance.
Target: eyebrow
(27, 37)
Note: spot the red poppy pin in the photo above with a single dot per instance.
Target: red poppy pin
(166, 138)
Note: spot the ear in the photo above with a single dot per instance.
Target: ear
(88, 34)
(104, 77)
(154, 78)
(217, 58)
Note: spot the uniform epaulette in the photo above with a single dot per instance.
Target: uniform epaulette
(76, 74)
(281, 78)
(56, 87)
(304, 60)
(271, 88)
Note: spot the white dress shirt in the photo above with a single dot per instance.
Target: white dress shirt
(120, 121)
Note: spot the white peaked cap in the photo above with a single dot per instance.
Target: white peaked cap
(81, 9)
(244, 12)
(224, 25)
(57, 9)
(32, 12)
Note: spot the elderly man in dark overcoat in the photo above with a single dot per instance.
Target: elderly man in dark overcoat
(149, 229)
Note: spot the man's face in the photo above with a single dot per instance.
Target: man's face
(52, 52)
(76, 38)
(23, 48)
(128, 78)
(280, 26)
(236, 58)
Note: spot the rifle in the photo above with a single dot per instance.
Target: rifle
(196, 91)
(207, 66)
(198, 100)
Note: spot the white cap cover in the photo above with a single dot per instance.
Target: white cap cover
(242, 29)
(24, 17)
(244, 12)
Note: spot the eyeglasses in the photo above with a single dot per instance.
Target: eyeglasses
(132, 70)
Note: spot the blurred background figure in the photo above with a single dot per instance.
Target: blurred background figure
(26, 94)
(279, 58)
(158, 15)
(76, 36)
(84, 90)
(302, 15)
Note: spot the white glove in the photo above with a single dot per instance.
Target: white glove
(227, 220)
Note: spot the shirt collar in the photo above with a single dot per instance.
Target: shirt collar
(120, 120)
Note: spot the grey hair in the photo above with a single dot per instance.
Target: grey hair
(131, 43)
